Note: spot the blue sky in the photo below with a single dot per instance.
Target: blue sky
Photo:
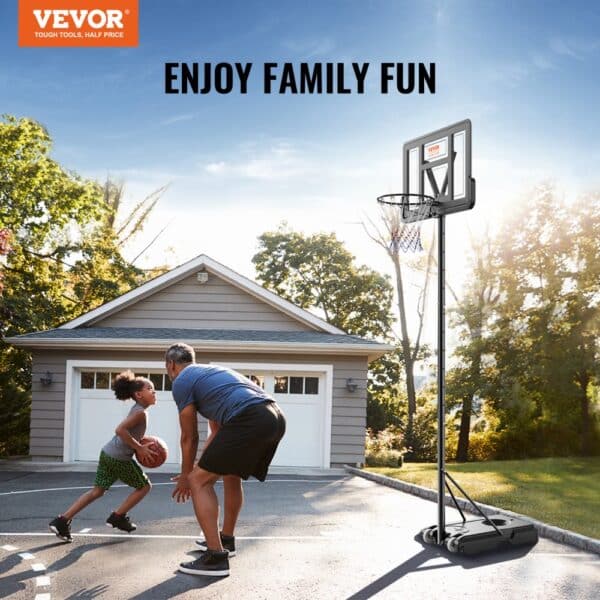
(525, 73)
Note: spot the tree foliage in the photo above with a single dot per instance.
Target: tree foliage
(64, 257)
(316, 271)
(388, 236)
(471, 318)
(537, 364)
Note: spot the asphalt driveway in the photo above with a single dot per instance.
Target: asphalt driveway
(299, 537)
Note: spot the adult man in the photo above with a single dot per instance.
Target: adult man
(246, 426)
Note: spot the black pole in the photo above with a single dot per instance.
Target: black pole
(441, 532)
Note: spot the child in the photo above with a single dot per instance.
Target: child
(116, 458)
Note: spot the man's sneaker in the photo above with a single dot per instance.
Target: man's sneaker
(121, 522)
(62, 528)
(211, 563)
(228, 542)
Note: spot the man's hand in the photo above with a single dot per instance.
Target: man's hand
(182, 491)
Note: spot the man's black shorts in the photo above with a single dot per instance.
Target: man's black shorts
(246, 444)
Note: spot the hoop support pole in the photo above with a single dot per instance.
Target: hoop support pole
(441, 530)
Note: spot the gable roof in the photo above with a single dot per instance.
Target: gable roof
(212, 266)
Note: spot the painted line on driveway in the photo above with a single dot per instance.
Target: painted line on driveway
(162, 537)
(87, 487)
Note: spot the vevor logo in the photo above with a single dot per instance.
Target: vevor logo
(78, 22)
(96, 19)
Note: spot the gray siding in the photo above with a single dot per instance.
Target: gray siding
(212, 305)
(348, 408)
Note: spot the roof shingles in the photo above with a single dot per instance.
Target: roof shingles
(233, 335)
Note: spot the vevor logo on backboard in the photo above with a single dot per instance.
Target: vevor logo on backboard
(80, 23)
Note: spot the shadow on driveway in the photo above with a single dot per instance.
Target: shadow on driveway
(417, 564)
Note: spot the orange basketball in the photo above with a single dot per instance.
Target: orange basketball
(159, 446)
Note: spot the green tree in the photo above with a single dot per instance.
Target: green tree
(316, 271)
(100, 272)
(64, 257)
(471, 316)
(388, 237)
(545, 342)
(39, 202)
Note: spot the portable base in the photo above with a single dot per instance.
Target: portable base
(474, 537)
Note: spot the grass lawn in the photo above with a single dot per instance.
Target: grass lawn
(559, 491)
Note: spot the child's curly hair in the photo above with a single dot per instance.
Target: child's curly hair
(126, 384)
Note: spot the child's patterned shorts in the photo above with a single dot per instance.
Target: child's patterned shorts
(128, 471)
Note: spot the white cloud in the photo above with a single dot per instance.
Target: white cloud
(178, 119)
(542, 62)
(277, 162)
(310, 47)
(216, 168)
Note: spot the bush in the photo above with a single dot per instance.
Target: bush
(484, 445)
(15, 408)
(385, 448)
(384, 458)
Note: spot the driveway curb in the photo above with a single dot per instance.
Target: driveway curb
(548, 531)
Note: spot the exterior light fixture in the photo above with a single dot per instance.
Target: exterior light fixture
(351, 385)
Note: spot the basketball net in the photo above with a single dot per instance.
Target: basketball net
(406, 237)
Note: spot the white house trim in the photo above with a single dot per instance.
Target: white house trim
(266, 347)
(212, 266)
(71, 388)
(325, 369)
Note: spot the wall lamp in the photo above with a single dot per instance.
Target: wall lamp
(46, 379)
(351, 385)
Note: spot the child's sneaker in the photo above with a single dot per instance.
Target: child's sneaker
(228, 542)
(121, 522)
(213, 564)
(61, 527)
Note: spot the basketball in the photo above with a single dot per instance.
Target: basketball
(159, 446)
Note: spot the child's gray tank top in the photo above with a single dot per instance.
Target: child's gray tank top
(117, 448)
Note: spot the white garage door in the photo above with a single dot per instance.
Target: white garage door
(97, 413)
(301, 396)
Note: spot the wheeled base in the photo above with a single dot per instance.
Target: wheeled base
(483, 535)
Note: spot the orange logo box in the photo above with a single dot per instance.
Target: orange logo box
(78, 23)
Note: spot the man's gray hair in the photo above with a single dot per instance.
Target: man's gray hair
(180, 354)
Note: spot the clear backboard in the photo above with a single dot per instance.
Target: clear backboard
(438, 165)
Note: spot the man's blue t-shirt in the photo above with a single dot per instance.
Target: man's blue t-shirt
(217, 392)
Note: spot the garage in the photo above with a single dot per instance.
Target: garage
(315, 371)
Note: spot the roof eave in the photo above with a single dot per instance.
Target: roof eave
(264, 347)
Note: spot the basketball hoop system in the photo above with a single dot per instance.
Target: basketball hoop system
(438, 182)
(407, 211)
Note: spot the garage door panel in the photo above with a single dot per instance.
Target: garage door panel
(98, 413)
(300, 447)
(98, 418)
(163, 421)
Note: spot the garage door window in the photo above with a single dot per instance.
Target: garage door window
(102, 380)
(285, 384)
(258, 380)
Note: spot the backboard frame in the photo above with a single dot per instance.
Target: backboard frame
(439, 164)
